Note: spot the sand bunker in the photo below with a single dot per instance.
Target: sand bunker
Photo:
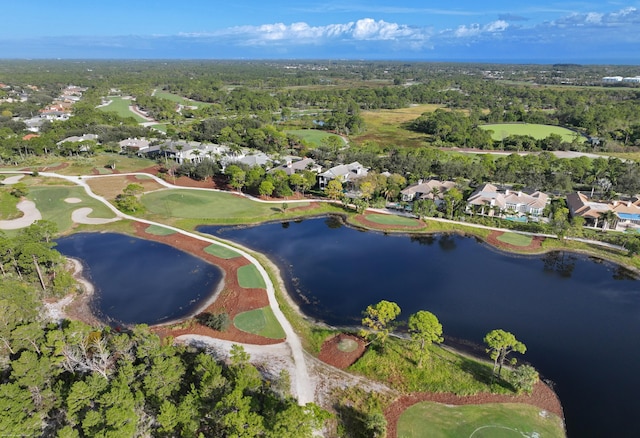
(73, 200)
(12, 180)
(31, 214)
(80, 216)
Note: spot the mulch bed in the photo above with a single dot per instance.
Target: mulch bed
(542, 397)
(233, 299)
(331, 354)
(534, 246)
(362, 219)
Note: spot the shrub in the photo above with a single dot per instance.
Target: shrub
(216, 321)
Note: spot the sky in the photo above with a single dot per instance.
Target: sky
(587, 32)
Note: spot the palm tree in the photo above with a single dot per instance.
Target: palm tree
(610, 219)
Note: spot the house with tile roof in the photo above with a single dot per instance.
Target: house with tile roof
(487, 199)
(432, 189)
(595, 213)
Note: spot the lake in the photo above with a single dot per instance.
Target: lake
(140, 281)
(579, 317)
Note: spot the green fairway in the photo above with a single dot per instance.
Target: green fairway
(260, 322)
(494, 420)
(515, 239)
(313, 136)
(51, 203)
(120, 106)
(197, 204)
(502, 130)
(157, 230)
(249, 277)
(392, 219)
(221, 251)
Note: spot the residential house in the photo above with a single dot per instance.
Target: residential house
(596, 214)
(135, 145)
(296, 166)
(491, 201)
(345, 173)
(432, 189)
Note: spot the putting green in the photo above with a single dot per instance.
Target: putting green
(260, 322)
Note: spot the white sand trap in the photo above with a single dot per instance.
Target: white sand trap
(12, 180)
(31, 214)
(80, 216)
(73, 200)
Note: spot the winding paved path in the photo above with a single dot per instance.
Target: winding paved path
(303, 386)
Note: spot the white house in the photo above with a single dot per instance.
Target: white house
(491, 201)
(345, 173)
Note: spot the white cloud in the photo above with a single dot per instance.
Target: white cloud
(473, 30)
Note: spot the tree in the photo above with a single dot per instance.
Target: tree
(266, 188)
(500, 344)
(379, 319)
(425, 329)
(334, 189)
(524, 378)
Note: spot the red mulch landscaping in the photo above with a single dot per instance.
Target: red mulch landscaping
(542, 397)
(535, 245)
(233, 299)
(331, 354)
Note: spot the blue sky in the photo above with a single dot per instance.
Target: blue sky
(469, 30)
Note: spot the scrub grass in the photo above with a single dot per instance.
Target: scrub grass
(179, 99)
(502, 130)
(159, 231)
(392, 219)
(442, 371)
(120, 106)
(50, 202)
(386, 127)
(249, 277)
(515, 239)
(197, 204)
(221, 251)
(495, 420)
(260, 322)
(8, 204)
(85, 165)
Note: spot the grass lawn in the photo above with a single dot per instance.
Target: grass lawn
(392, 219)
(195, 204)
(221, 251)
(261, 322)
(159, 231)
(385, 127)
(50, 202)
(8, 204)
(159, 127)
(515, 239)
(442, 371)
(120, 106)
(494, 420)
(249, 277)
(313, 136)
(502, 130)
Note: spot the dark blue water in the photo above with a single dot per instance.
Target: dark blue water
(140, 281)
(579, 318)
